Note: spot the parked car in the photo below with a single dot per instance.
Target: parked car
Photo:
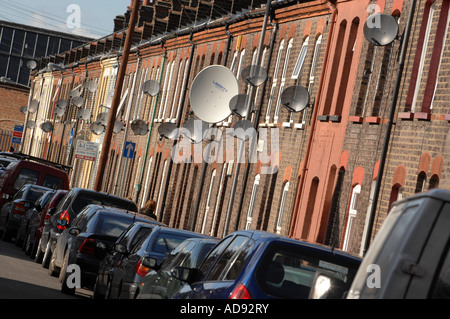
(251, 264)
(129, 238)
(129, 271)
(160, 282)
(69, 207)
(24, 169)
(23, 232)
(93, 231)
(37, 224)
(409, 257)
(12, 212)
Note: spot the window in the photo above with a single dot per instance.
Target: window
(274, 81)
(301, 59)
(283, 79)
(53, 182)
(252, 201)
(161, 187)
(441, 289)
(165, 242)
(208, 200)
(25, 176)
(6, 40)
(420, 184)
(282, 206)
(351, 216)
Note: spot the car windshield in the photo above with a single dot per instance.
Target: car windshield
(85, 199)
(35, 193)
(288, 271)
(112, 225)
(26, 176)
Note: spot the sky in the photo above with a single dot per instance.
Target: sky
(90, 18)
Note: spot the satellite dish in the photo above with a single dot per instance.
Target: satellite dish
(31, 64)
(74, 93)
(254, 75)
(84, 114)
(58, 111)
(31, 124)
(211, 92)
(239, 105)
(97, 127)
(46, 126)
(151, 87)
(33, 106)
(295, 98)
(117, 127)
(196, 130)
(103, 118)
(241, 127)
(91, 86)
(62, 104)
(168, 130)
(381, 29)
(78, 101)
(139, 127)
(24, 109)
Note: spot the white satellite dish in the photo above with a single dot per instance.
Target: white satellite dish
(74, 93)
(78, 101)
(31, 124)
(31, 64)
(211, 92)
(33, 106)
(139, 127)
(196, 130)
(46, 126)
(62, 104)
(58, 111)
(168, 130)
(84, 114)
(295, 98)
(240, 128)
(103, 117)
(151, 87)
(24, 109)
(91, 86)
(118, 127)
(254, 75)
(240, 105)
(97, 127)
(381, 29)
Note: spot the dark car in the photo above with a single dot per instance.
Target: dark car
(129, 272)
(254, 264)
(24, 169)
(23, 233)
(160, 283)
(37, 225)
(69, 207)
(91, 234)
(127, 240)
(12, 212)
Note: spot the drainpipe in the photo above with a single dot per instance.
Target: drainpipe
(54, 117)
(26, 117)
(66, 115)
(147, 147)
(180, 114)
(314, 118)
(227, 50)
(387, 137)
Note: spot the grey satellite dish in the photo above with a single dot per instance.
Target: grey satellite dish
(91, 86)
(97, 127)
(62, 104)
(295, 98)
(58, 111)
(46, 126)
(74, 93)
(78, 101)
(139, 127)
(243, 129)
(168, 130)
(196, 130)
(239, 105)
(24, 109)
(31, 124)
(254, 75)
(84, 114)
(118, 127)
(33, 106)
(103, 117)
(380, 29)
(31, 64)
(151, 87)
(211, 92)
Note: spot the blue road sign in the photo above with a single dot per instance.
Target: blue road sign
(128, 151)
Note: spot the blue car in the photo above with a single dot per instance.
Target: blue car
(257, 265)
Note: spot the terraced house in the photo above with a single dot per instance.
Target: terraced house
(320, 181)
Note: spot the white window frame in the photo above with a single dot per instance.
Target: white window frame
(282, 206)
(274, 81)
(161, 187)
(300, 60)
(208, 200)
(173, 111)
(251, 205)
(283, 80)
(351, 215)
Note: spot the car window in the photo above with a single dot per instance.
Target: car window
(288, 271)
(165, 242)
(53, 182)
(214, 254)
(35, 193)
(176, 256)
(141, 233)
(441, 288)
(203, 252)
(25, 176)
(81, 219)
(85, 199)
(228, 256)
(112, 225)
(19, 194)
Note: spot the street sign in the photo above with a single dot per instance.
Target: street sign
(17, 134)
(128, 151)
(86, 150)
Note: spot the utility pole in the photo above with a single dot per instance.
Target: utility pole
(116, 97)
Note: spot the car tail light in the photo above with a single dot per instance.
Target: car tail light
(141, 270)
(19, 209)
(87, 246)
(64, 220)
(240, 292)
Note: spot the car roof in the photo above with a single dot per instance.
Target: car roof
(181, 231)
(115, 210)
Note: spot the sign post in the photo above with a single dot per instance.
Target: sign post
(86, 150)
(17, 134)
(128, 153)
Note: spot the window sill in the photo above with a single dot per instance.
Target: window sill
(323, 118)
(405, 115)
(355, 119)
(447, 117)
(422, 116)
(373, 120)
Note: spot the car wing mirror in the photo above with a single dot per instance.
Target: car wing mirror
(150, 262)
(327, 286)
(74, 231)
(120, 248)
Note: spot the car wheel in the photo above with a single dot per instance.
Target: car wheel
(47, 255)
(39, 253)
(51, 266)
(96, 294)
(108, 289)
(27, 247)
(7, 232)
(65, 289)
